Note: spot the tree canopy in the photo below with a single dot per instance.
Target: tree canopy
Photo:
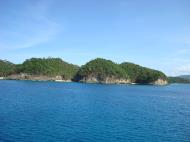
(6, 68)
(101, 68)
(98, 68)
(48, 67)
(141, 74)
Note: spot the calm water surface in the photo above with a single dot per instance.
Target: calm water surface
(74, 112)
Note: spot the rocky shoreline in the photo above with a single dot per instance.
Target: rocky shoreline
(112, 80)
(35, 78)
(91, 79)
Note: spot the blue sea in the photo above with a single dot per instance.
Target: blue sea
(74, 112)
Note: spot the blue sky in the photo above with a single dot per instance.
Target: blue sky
(152, 33)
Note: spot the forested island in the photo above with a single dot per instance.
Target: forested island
(106, 71)
(95, 71)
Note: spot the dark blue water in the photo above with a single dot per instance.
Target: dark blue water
(74, 112)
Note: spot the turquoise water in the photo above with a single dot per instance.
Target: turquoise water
(75, 112)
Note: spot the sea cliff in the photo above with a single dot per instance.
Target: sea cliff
(160, 82)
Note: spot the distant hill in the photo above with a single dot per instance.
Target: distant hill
(177, 80)
(185, 76)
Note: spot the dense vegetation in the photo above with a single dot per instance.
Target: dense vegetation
(98, 68)
(6, 68)
(101, 68)
(48, 67)
(141, 74)
(178, 80)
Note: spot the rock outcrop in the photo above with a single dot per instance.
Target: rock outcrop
(106, 80)
(160, 82)
(112, 80)
(24, 76)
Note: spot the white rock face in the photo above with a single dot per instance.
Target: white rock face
(160, 82)
(106, 80)
(109, 80)
(113, 80)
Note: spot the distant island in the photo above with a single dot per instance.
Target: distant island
(95, 71)
(179, 79)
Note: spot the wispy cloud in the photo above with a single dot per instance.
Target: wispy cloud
(32, 26)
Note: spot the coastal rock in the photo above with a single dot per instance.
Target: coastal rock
(160, 82)
(106, 80)
(24, 76)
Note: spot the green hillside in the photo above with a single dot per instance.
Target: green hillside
(6, 68)
(97, 70)
(48, 67)
(141, 74)
(101, 68)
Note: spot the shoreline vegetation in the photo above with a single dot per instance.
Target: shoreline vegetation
(95, 71)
